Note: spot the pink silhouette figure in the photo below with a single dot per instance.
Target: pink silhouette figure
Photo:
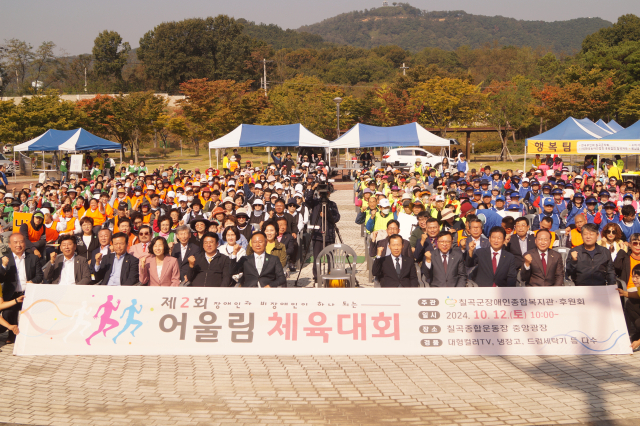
(105, 319)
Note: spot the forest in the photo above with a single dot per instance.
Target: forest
(218, 62)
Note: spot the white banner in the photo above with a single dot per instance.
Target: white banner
(101, 320)
(609, 147)
(76, 164)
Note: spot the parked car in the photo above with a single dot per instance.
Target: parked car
(9, 165)
(7, 148)
(404, 158)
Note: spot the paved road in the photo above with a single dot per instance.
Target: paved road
(322, 390)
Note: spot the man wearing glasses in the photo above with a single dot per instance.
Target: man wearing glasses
(141, 249)
(444, 267)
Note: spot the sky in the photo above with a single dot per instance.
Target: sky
(74, 24)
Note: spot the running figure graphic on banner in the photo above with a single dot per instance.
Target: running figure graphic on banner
(130, 320)
(105, 319)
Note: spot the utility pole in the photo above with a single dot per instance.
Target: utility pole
(404, 69)
(85, 79)
(264, 65)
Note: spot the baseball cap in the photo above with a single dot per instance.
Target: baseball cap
(548, 202)
(384, 203)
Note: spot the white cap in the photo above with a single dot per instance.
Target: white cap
(96, 196)
(171, 194)
(196, 183)
(45, 211)
(151, 187)
(278, 186)
(298, 187)
(258, 186)
(519, 172)
(258, 201)
(232, 183)
(227, 200)
(305, 164)
(439, 198)
(384, 203)
(406, 196)
(525, 179)
(549, 172)
(182, 198)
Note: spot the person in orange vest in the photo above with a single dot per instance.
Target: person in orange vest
(96, 212)
(575, 236)
(34, 234)
(67, 224)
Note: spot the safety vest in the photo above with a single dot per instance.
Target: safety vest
(71, 225)
(576, 238)
(146, 218)
(117, 202)
(51, 232)
(34, 235)
(98, 218)
(381, 222)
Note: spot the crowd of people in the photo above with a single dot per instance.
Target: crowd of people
(456, 226)
(240, 226)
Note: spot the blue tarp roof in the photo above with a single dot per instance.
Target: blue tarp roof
(593, 127)
(601, 123)
(67, 140)
(615, 126)
(569, 130)
(630, 133)
(366, 136)
(248, 135)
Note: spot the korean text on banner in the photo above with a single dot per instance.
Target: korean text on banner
(19, 219)
(102, 320)
(552, 147)
(608, 147)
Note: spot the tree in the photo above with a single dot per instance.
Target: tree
(508, 105)
(212, 48)
(446, 102)
(37, 114)
(630, 106)
(110, 55)
(306, 100)
(392, 109)
(43, 63)
(19, 55)
(214, 108)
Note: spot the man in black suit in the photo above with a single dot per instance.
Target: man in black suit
(395, 270)
(119, 267)
(17, 271)
(210, 268)
(260, 269)
(444, 267)
(427, 240)
(521, 242)
(496, 266)
(184, 250)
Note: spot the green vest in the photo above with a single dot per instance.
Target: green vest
(381, 222)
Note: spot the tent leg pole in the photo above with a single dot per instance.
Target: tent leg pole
(15, 170)
(524, 164)
(598, 166)
(209, 157)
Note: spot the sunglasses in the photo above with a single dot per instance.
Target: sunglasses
(635, 243)
(144, 233)
(611, 231)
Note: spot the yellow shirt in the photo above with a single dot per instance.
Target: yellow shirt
(632, 264)
(614, 172)
(270, 246)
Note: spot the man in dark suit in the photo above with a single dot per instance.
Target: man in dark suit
(427, 240)
(119, 267)
(17, 271)
(542, 267)
(396, 269)
(521, 242)
(184, 250)
(393, 228)
(495, 266)
(260, 269)
(210, 268)
(444, 267)
(55, 272)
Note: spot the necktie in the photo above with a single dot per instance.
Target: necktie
(259, 264)
(144, 247)
(398, 266)
(494, 262)
(444, 262)
(544, 263)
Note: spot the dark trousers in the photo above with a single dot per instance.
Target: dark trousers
(11, 314)
(632, 318)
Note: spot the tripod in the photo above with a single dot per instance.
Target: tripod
(322, 218)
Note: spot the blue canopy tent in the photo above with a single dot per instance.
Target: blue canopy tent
(630, 133)
(615, 126)
(570, 130)
(365, 136)
(250, 135)
(67, 140)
